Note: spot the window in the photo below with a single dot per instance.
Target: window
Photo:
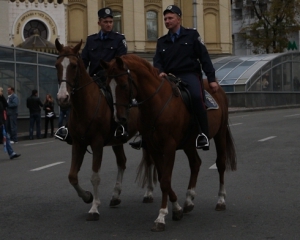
(151, 21)
(117, 21)
(35, 24)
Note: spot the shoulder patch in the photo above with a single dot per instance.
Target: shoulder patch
(201, 40)
(124, 42)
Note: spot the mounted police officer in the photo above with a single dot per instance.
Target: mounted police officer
(104, 45)
(183, 53)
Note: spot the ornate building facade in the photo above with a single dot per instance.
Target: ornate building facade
(140, 20)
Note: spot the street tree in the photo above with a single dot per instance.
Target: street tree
(274, 23)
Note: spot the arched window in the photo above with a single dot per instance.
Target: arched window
(117, 21)
(35, 24)
(152, 29)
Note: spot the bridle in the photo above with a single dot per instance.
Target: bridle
(132, 101)
(74, 85)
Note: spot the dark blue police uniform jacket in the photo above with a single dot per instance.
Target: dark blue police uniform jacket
(182, 56)
(95, 49)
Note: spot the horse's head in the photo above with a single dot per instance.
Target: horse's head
(67, 71)
(121, 84)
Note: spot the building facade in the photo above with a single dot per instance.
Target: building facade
(140, 20)
(243, 15)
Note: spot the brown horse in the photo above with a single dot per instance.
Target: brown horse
(90, 123)
(167, 125)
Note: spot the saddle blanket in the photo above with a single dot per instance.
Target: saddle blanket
(210, 102)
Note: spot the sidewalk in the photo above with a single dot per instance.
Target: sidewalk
(25, 136)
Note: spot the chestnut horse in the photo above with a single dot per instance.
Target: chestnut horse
(90, 123)
(167, 125)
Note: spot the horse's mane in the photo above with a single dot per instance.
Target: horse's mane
(140, 62)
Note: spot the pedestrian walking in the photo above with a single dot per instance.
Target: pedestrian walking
(12, 114)
(3, 122)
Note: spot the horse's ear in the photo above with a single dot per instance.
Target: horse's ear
(58, 46)
(120, 62)
(76, 49)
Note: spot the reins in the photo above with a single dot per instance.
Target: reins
(134, 103)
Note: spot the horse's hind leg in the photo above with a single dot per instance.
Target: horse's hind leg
(121, 162)
(195, 163)
(220, 142)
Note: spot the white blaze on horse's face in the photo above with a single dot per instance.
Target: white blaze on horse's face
(63, 94)
(113, 85)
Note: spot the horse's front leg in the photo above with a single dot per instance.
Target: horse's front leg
(78, 152)
(121, 162)
(95, 180)
(195, 163)
(164, 163)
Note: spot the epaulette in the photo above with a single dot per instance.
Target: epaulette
(191, 28)
(120, 33)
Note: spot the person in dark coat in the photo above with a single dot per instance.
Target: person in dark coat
(49, 114)
(3, 124)
(34, 105)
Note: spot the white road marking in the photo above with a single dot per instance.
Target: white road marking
(234, 124)
(266, 139)
(239, 116)
(31, 144)
(46, 166)
(213, 167)
(292, 115)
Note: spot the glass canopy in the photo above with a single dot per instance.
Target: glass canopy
(265, 72)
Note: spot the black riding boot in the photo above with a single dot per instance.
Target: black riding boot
(202, 140)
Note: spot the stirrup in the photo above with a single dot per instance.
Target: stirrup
(121, 133)
(203, 143)
(62, 133)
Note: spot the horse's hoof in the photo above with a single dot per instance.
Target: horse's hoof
(90, 198)
(188, 208)
(177, 215)
(114, 202)
(93, 217)
(158, 227)
(148, 200)
(220, 207)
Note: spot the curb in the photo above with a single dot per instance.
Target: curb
(25, 136)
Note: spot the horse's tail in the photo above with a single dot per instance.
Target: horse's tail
(230, 151)
(146, 171)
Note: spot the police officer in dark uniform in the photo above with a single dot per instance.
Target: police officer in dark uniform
(179, 52)
(104, 45)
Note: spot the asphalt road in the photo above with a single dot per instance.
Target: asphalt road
(263, 195)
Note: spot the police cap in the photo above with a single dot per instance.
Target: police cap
(173, 9)
(105, 12)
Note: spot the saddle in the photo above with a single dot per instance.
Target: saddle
(180, 89)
